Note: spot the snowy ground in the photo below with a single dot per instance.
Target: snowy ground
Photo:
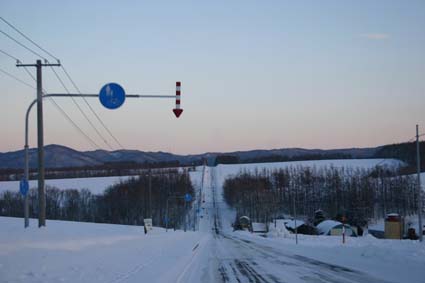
(95, 185)
(83, 252)
(227, 170)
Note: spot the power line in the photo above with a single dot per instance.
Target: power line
(29, 39)
(60, 109)
(94, 144)
(16, 78)
(91, 109)
(57, 76)
(81, 110)
(60, 80)
(23, 45)
(7, 54)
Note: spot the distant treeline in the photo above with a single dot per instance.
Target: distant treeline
(358, 194)
(124, 203)
(125, 168)
(405, 152)
(233, 159)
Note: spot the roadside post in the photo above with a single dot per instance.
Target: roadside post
(23, 188)
(187, 199)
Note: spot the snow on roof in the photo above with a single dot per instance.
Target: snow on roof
(258, 227)
(325, 226)
(291, 223)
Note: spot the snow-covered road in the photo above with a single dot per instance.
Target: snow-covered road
(233, 257)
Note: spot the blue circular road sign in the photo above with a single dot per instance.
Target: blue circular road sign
(23, 187)
(112, 96)
(188, 197)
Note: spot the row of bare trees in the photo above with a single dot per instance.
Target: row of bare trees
(357, 194)
(127, 202)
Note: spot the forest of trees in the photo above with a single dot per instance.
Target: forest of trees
(124, 203)
(405, 152)
(357, 194)
(123, 168)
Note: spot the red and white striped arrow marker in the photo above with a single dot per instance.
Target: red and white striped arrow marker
(177, 111)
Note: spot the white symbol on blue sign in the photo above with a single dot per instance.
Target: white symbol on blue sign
(112, 96)
(187, 197)
(23, 187)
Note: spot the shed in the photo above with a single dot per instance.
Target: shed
(393, 226)
(334, 228)
(302, 227)
(259, 227)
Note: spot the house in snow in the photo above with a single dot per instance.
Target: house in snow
(302, 227)
(334, 228)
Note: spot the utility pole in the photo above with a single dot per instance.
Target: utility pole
(418, 162)
(40, 140)
(150, 192)
(295, 218)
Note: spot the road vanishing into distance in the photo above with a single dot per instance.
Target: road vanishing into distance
(233, 257)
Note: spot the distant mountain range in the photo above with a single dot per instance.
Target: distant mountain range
(57, 156)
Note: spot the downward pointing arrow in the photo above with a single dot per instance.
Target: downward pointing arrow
(178, 112)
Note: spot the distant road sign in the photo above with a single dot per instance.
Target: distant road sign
(148, 224)
(23, 187)
(188, 197)
(112, 96)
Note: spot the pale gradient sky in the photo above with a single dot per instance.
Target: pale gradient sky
(255, 74)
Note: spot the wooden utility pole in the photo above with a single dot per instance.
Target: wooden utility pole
(418, 163)
(40, 140)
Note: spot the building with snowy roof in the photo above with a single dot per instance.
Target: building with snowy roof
(334, 228)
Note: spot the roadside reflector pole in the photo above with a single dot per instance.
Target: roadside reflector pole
(178, 111)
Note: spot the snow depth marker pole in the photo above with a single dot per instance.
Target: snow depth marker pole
(177, 111)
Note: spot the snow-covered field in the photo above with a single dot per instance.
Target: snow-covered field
(84, 252)
(227, 170)
(95, 185)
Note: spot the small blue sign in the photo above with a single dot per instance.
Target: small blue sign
(112, 96)
(188, 197)
(24, 187)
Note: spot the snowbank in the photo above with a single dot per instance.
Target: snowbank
(85, 252)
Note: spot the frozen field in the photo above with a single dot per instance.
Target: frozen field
(96, 185)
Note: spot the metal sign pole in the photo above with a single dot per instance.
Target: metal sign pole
(41, 189)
